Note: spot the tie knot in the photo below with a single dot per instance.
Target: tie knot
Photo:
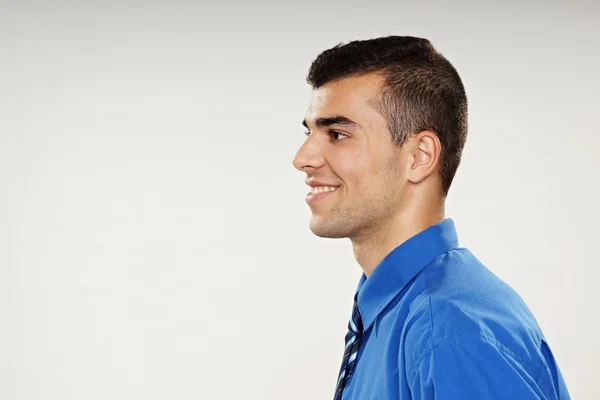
(356, 324)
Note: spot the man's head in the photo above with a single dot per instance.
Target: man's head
(386, 127)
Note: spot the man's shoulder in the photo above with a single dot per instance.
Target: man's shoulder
(462, 300)
(459, 286)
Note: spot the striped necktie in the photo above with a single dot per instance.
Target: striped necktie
(355, 330)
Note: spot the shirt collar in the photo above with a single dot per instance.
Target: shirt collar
(400, 266)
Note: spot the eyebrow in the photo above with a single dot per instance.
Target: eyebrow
(337, 120)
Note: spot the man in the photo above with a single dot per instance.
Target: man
(386, 128)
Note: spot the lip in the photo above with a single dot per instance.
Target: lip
(313, 183)
(318, 197)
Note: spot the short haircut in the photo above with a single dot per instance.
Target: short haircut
(422, 90)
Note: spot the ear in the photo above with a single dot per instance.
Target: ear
(425, 155)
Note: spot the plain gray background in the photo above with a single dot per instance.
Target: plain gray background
(154, 239)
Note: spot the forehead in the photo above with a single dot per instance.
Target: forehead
(352, 97)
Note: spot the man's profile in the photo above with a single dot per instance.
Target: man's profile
(386, 129)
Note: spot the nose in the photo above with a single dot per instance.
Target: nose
(309, 155)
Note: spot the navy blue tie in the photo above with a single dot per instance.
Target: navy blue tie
(355, 331)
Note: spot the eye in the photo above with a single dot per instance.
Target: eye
(337, 136)
(307, 133)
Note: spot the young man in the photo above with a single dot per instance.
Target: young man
(385, 131)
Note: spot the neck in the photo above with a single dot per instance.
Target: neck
(372, 248)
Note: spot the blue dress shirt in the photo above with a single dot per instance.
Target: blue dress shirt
(439, 325)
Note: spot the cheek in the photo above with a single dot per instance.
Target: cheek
(352, 167)
(384, 176)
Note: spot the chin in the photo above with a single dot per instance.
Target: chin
(323, 229)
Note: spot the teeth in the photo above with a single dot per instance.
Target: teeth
(321, 189)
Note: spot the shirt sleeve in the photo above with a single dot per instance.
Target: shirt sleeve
(478, 369)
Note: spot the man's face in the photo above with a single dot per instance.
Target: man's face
(351, 164)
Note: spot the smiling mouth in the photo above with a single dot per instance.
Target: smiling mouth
(318, 193)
